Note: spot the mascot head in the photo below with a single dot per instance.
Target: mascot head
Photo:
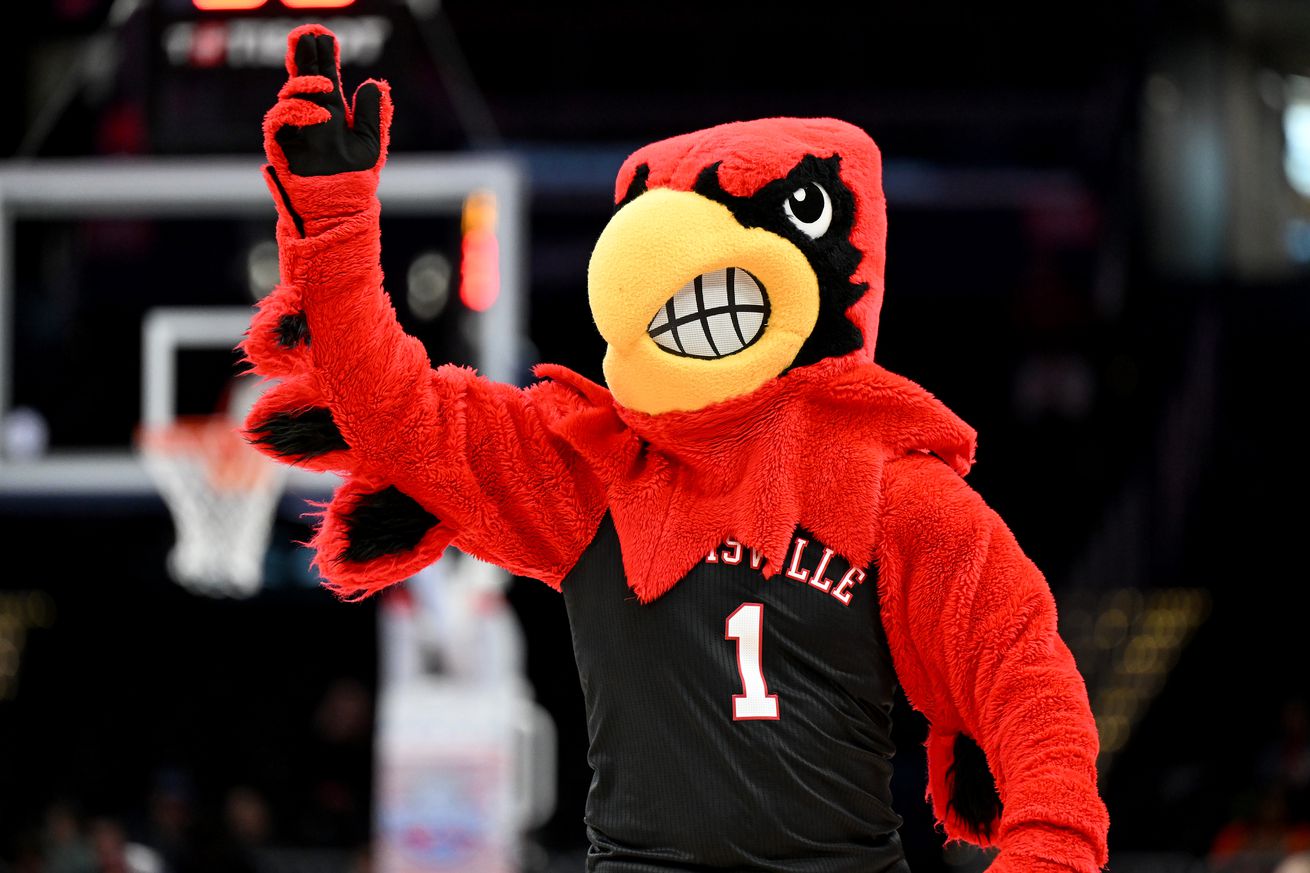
(736, 255)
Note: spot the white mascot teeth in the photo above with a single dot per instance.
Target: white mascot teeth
(717, 314)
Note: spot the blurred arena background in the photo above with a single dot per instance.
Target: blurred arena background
(1099, 256)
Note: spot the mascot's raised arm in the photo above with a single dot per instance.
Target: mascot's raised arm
(429, 456)
(758, 531)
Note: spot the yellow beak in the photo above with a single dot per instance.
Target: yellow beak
(658, 244)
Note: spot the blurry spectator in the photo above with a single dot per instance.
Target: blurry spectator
(171, 814)
(114, 854)
(27, 854)
(247, 816)
(1250, 841)
(339, 770)
(66, 847)
(1298, 863)
(1276, 827)
(196, 838)
(213, 847)
(361, 861)
(1286, 761)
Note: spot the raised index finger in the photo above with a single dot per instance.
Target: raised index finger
(305, 56)
(329, 63)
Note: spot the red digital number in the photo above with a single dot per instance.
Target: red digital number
(242, 5)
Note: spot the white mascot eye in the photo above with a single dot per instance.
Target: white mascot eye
(810, 209)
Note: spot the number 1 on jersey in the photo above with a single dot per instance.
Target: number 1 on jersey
(746, 626)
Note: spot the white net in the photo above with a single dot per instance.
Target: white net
(223, 495)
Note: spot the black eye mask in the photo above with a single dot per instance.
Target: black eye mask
(831, 254)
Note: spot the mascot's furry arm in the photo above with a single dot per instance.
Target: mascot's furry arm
(432, 457)
(972, 625)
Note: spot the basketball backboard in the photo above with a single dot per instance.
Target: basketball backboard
(125, 286)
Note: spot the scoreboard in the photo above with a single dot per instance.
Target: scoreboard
(216, 66)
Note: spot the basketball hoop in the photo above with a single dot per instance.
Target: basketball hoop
(222, 495)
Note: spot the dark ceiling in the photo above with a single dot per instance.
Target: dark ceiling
(1033, 75)
(1039, 84)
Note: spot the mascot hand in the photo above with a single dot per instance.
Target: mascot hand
(324, 155)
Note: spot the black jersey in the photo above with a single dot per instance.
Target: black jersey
(736, 722)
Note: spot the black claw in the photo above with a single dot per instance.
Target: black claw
(387, 522)
(973, 788)
(292, 330)
(299, 436)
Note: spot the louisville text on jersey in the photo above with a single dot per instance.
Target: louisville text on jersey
(821, 569)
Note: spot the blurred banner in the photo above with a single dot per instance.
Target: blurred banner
(465, 759)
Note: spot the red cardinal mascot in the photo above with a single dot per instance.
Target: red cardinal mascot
(758, 531)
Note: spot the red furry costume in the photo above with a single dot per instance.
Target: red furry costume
(829, 441)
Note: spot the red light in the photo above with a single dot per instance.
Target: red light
(242, 5)
(479, 271)
(227, 5)
(479, 268)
